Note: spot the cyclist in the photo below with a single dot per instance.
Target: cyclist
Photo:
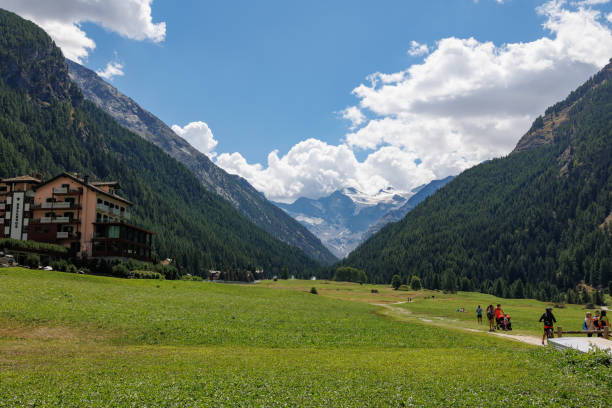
(549, 320)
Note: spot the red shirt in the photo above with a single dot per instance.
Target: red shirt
(498, 312)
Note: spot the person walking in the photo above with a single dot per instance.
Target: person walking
(479, 314)
(588, 324)
(491, 316)
(603, 322)
(549, 322)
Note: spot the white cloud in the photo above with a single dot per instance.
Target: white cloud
(354, 115)
(313, 168)
(590, 2)
(62, 18)
(199, 135)
(112, 70)
(468, 101)
(417, 49)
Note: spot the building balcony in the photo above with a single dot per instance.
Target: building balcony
(55, 220)
(102, 207)
(2, 207)
(62, 205)
(67, 191)
(68, 235)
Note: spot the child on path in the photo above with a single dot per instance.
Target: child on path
(479, 314)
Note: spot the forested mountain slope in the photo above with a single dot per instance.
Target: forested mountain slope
(248, 201)
(46, 126)
(534, 223)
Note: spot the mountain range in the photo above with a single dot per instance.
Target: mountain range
(244, 197)
(420, 194)
(535, 223)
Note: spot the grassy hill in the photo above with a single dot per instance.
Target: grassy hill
(47, 127)
(75, 340)
(533, 224)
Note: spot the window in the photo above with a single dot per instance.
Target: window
(65, 185)
(98, 217)
(70, 200)
(99, 201)
(113, 231)
(49, 200)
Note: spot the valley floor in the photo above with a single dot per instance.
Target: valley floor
(74, 340)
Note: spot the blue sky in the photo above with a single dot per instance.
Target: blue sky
(261, 87)
(266, 76)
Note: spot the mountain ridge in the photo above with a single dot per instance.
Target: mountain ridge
(531, 224)
(341, 218)
(244, 197)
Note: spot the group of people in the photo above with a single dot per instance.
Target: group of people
(497, 318)
(597, 321)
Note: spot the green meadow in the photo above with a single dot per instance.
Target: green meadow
(79, 340)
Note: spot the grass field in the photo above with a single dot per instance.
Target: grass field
(77, 340)
(443, 308)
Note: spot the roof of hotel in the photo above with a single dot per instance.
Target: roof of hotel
(89, 185)
(106, 183)
(21, 179)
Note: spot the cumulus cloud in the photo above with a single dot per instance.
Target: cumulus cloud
(199, 135)
(112, 70)
(417, 49)
(354, 115)
(313, 168)
(468, 101)
(62, 20)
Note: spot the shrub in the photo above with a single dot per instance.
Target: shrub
(374, 291)
(189, 277)
(396, 282)
(415, 283)
(146, 275)
(350, 274)
(71, 268)
(32, 260)
(61, 265)
(19, 245)
(313, 290)
(121, 270)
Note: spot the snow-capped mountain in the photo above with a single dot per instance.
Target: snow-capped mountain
(341, 219)
(420, 194)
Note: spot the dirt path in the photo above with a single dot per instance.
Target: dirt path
(407, 315)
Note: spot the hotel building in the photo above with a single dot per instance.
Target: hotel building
(87, 217)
